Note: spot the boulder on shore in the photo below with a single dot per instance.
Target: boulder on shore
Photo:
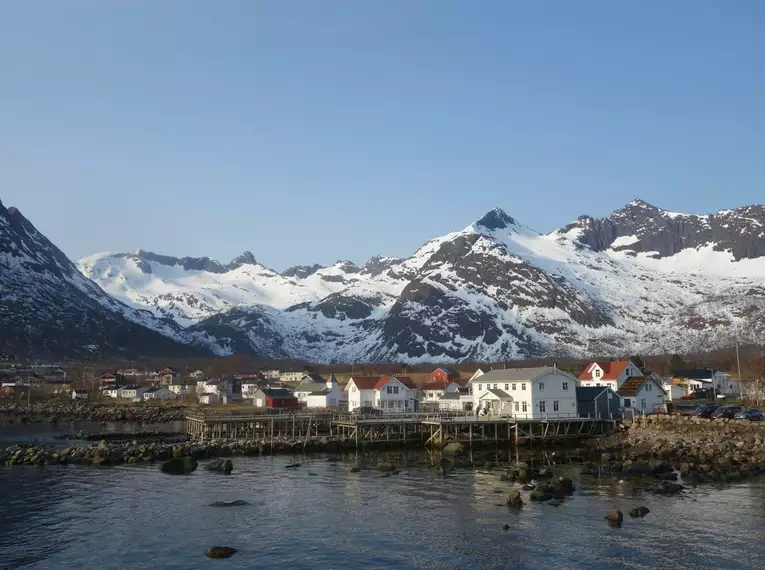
(615, 516)
(514, 499)
(638, 512)
(454, 448)
(220, 552)
(179, 466)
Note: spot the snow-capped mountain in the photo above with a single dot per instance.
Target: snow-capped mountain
(49, 308)
(641, 280)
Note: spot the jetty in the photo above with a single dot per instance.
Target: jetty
(429, 429)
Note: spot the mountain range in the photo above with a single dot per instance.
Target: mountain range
(642, 280)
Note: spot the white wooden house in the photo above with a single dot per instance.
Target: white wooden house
(111, 391)
(459, 401)
(528, 393)
(435, 389)
(611, 374)
(133, 392)
(316, 392)
(159, 395)
(641, 395)
(391, 394)
(181, 389)
(79, 394)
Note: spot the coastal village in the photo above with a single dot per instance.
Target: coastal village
(601, 389)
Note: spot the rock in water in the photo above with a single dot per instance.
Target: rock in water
(454, 448)
(179, 466)
(514, 499)
(615, 516)
(220, 552)
(355, 469)
(292, 466)
(216, 465)
(237, 503)
(639, 512)
(228, 467)
(385, 466)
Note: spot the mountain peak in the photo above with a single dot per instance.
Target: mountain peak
(495, 219)
(245, 258)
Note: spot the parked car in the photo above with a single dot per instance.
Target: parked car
(704, 394)
(751, 414)
(726, 412)
(705, 411)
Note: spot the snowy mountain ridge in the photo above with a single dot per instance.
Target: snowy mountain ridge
(640, 280)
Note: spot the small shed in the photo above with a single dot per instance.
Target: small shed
(275, 398)
(597, 402)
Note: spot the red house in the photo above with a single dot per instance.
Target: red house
(107, 378)
(445, 375)
(275, 398)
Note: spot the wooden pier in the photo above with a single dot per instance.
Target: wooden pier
(427, 429)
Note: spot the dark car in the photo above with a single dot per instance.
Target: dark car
(704, 394)
(726, 412)
(705, 411)
(751, 414)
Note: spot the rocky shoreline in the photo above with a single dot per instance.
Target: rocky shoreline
(65, 411)
(119, 453)
(696, 450)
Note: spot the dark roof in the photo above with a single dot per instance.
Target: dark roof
(450, 396)
(514, 374)
(694, 373)
(589, 392)
(323, 392)
(632, 386)
(501, 394)
(316, 378)
(277, 392)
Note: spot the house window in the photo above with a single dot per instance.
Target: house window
(597, 373)
(565, 385)
(395, 389)
(390, 389)
(626, 402)
(479, 386)
(406, 403)
(513, 386)
(517, 406)
(353, 389)
(524, 406)
(523, 386)
(495, 386)
(647, 387)
(507, 386)
(642, 403)
(542, 406)
(555, 405)
(541, 386)
(398, 403)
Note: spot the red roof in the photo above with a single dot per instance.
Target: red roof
(365, 382)
(611, 370)
(405, 380)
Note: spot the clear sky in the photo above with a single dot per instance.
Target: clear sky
(310, 131)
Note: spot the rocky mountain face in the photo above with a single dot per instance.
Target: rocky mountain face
(47, 306)
(642, 280)
(641, 227)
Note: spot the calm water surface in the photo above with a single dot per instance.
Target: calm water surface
(137, 517)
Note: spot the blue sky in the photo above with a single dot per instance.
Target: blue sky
(310, 131)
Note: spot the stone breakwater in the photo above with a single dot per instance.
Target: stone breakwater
(114, 453)
(700, 450)
(63, 411)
